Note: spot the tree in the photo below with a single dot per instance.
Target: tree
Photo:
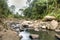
(35, 10)
(12, 8)
(4, 10)
(40, 8)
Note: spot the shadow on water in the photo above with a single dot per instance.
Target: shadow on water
(45, 35)
(57, 38)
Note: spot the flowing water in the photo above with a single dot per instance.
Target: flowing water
(25, 35)
(43, 35)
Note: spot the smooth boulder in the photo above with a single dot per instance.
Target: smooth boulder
(48, 18)
(54, 24)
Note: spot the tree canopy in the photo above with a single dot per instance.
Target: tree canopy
(37, 9)
(4, 10)
(40, 8)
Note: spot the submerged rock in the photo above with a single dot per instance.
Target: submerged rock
(34, 36)
(36, 29)
(57, 37)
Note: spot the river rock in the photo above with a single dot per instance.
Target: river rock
(36, 29)
(34, 36)
(1, 27)
(45, 25)
(57, 35)
(54, 24)
(49, 18)
(26, 22)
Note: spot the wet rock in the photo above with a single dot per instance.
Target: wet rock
(16, 26)
(57, 35)
(4, 30)
(36, 29)
(57, 30)
(34, 36)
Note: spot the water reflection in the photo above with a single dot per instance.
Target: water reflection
(45, 35)
(57, 38)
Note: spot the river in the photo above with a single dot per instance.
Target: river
(45, 35)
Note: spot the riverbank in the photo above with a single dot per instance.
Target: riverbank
(32, 24)
(36, 25)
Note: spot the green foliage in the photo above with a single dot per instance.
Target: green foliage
(17, 16)
(11, 15)
(4, 10)
(36, 10)
(40, 8)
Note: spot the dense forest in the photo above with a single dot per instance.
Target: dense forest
(37, 9)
